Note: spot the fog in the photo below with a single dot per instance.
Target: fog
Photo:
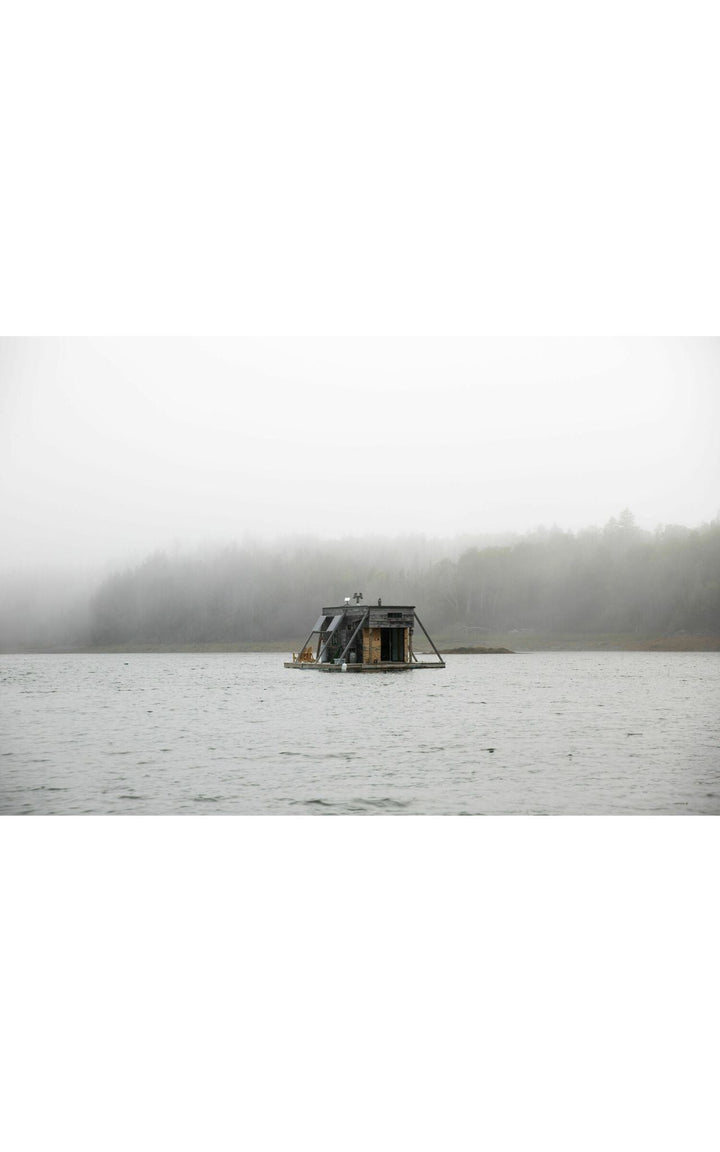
(111, 448)
(165, 490)
(618, 586)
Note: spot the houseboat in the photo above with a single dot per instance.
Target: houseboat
(355, 637)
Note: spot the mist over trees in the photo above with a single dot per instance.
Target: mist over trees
(47, 609)
(618, 580)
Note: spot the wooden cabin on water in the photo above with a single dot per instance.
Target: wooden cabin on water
(363, 638)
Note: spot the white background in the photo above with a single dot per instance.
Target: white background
(376, 183)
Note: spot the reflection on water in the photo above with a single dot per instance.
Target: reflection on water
(236, 733)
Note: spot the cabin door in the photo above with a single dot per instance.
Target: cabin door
(392, 645)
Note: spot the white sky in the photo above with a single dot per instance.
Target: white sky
(343, 238)
(110, 447)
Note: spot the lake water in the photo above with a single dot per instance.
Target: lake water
(183, 733)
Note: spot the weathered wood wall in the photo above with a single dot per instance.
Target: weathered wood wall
(371, 645)
(391, 618)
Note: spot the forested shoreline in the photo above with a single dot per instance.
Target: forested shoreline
(613, 586)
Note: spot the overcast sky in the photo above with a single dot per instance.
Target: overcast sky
(112, 447)
(352, 226)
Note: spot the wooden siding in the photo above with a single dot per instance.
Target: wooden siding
(371, 645)
(391, 618)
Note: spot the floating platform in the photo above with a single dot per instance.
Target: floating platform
(344, 667)
(364, 638)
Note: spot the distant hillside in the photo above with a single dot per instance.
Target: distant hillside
(538, 590)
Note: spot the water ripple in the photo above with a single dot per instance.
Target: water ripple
(542, 733)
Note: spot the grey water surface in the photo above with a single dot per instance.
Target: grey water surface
(181, 733)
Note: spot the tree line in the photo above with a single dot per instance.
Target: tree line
(548, 583)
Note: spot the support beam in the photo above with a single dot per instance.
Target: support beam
(306, 642)
(347, 646)
(428, 636)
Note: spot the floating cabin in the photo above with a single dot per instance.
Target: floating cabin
(363, 638)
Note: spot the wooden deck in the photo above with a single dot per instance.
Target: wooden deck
(307, 665)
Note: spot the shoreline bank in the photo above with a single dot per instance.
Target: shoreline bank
(514, 645)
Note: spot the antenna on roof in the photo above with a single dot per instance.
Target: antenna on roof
(357, 597)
